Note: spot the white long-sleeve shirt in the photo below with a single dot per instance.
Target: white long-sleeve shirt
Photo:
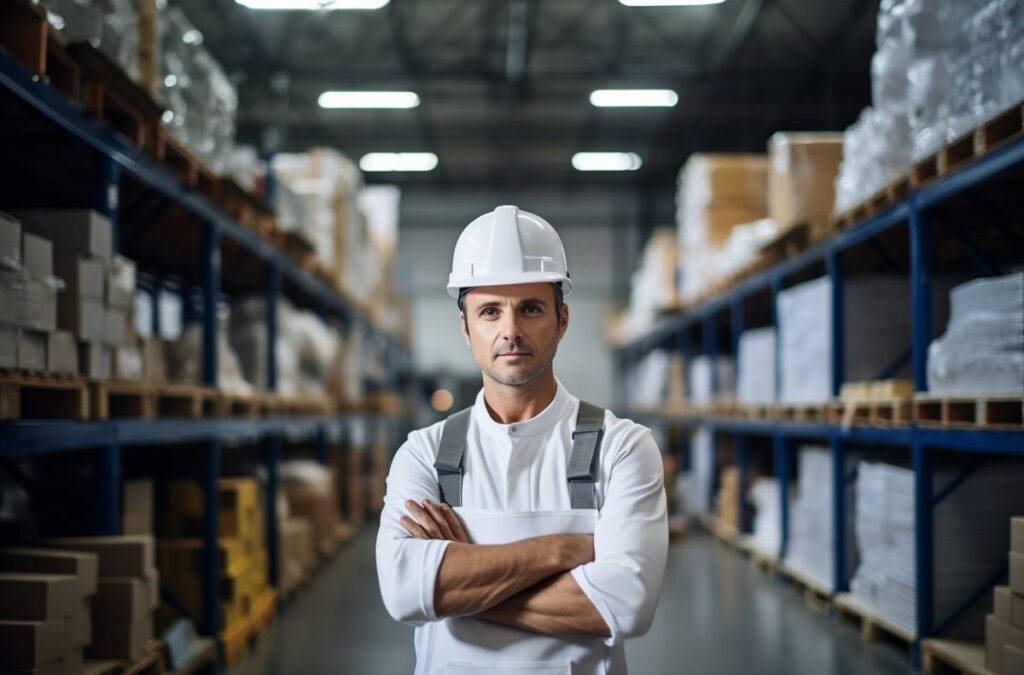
(522, 467)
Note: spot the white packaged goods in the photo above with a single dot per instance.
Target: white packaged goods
(755, 376)
(702, 463)
(647, 380)
(982, 350)
(702, 369)
(801, 176)
(876, 151)
(970, 530)
(120, 282)
(185, 357)
(876, 334)
(810, 547)
(654, 287)
(202, 103)
(81, 231)
(110, 25)
(764, 495)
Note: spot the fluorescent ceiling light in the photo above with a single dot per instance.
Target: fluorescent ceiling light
(633, 98)
(668, 3)
(312, 5)
(368, 99)
(606, 161)
(398, 161)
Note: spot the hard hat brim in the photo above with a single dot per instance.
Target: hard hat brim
(456, 283)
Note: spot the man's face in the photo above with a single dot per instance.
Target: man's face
(513, 331)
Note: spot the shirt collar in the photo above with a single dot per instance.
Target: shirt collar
(542, 421)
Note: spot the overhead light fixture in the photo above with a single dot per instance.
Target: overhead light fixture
(398, 161)
(606, 161)
(633, 98)
(368, 99)
(312, 5)
(669, 3)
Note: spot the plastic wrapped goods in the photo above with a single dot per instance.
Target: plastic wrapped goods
(755, 376)
(810, 548)
(648, 380)
(764, 494)
(109, 25)
(702, 464)
(876, 151)
(185, 356)
(710, 378)
(971, 538)
(982, 350)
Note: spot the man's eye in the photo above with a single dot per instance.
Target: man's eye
(532, 309)
(489, 311)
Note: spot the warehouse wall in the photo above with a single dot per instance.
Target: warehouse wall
(601, 237)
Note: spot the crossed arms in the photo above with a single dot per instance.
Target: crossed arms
(525, 584)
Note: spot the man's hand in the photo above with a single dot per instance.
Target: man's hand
(433, 521)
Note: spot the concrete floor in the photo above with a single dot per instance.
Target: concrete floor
(717, 616)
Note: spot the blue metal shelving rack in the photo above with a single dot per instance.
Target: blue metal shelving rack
(916, 218)
(116, 159)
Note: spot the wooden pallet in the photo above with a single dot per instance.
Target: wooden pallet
(249, 210)
(762, 411)
(183, 163)
(811, 414)
(943, 657)
(893, 193)
(263, 612)
(34, 396)
(185, 400)
(304, 405)
(110, 398)
(150, 663)
(991, 134)
(872, 626)
(988, 412)
(112, 96)
(236, 405)
(883, 413)
(235, 642)
(816, 596)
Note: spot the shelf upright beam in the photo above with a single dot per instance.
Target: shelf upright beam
(272, 458)
(273, 294)
(710, 343)
(737, 327)
(834, 268)
(106, 196)
(211, 292)
(156, 320)
(923, 543)
(920, 293)
(320, 444)
(781, 459)
(107, 507)
(839, 581)
(208, 479)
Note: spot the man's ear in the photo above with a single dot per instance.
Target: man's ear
(563, 320)
(464, 327)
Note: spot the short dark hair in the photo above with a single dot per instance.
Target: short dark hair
(559, 298)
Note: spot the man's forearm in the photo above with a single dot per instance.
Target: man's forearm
(474, 578)
(556, 606)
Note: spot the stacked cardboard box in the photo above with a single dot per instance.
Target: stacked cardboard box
(45, 598)
(137, 510)
(28, 303)
(310, 491)
(241, 550)
(1004, 628)
(98, 285)
(727, 499)
(127, 593)
(802, 176)
(296, 555)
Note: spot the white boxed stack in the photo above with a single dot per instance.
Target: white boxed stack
(184, 357)
(982, 350)
(876, 333)
(810, 547)
(755, 376)
(711, 378)
(702, 462)
(647, 381)
(654, 287)
(766, 498)
(970, 540)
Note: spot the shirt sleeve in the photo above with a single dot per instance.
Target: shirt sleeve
(630, 542)
(407, 567)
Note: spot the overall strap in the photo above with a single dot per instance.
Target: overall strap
(586, 439)
(449, 457)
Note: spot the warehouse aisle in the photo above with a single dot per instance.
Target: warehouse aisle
(717, 616)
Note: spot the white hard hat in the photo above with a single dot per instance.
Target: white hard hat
(508, 246)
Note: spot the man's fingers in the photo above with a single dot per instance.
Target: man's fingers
(413, 528)
(439, 519)
(454, 524)
(425, 520)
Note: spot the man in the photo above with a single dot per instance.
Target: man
(528, 533)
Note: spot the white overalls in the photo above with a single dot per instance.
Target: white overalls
(515, 485)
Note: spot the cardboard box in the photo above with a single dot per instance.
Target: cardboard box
(1017, 573)
(729, 177)
(121, 599)
(322, 513)
(1013, 660)
(152, 583)
(115, 326)
(120, 639)
(185, 555)
(154, 366)
(1001, 601)
(81, 231)
(83, 316)
(80, 564)
(119, 556)
(25, 644)
(10, 241)
(83, 277)
(36, 256)
(120, 283)
(38, 305)
(8, 345)
(801, 177)
(126, 364)
(137, 507)
(38, 597)
(94, 360)
(79, 630)
(1017, 534)
(61, 352)
(31, 349)
(997, 635)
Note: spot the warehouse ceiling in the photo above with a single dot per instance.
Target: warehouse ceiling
(504, 84)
